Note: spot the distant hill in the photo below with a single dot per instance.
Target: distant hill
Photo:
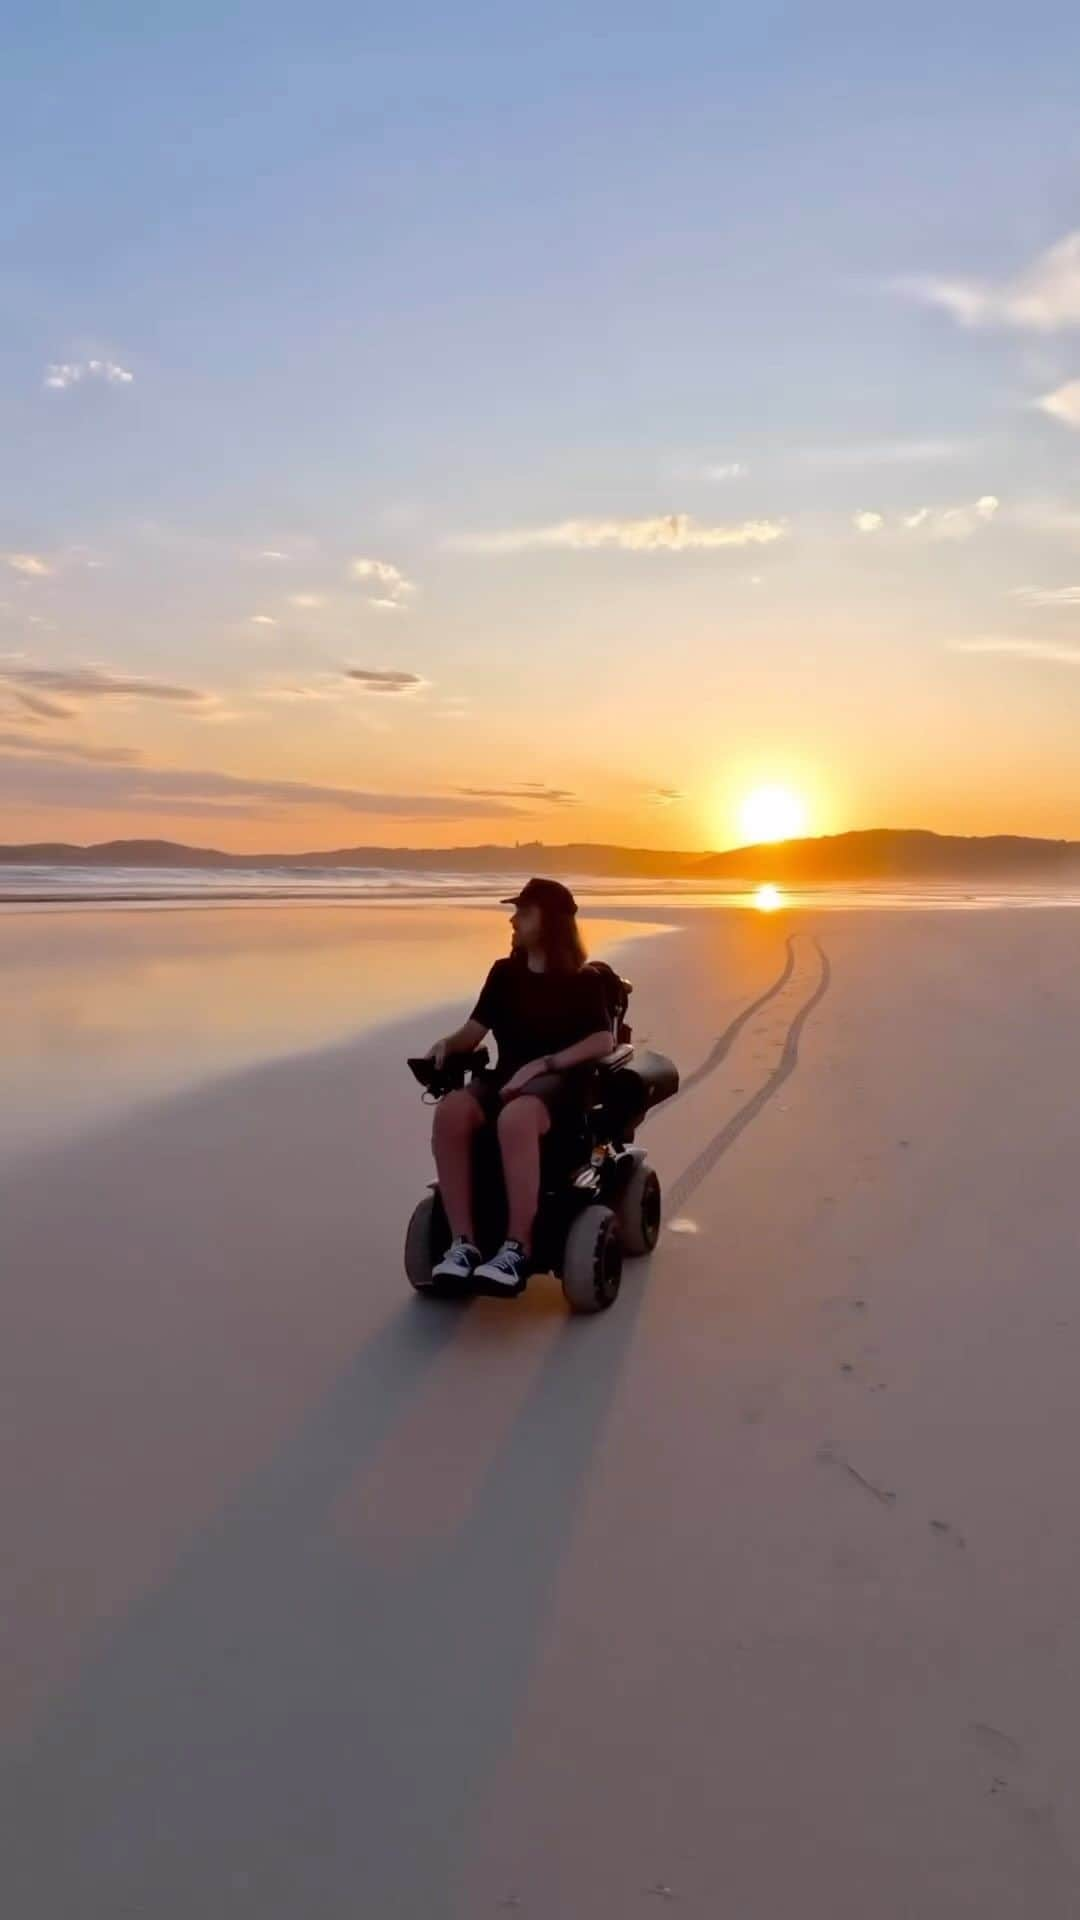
(888, 853)
(880, 854)
(529, 857)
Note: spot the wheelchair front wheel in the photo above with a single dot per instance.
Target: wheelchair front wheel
(426, 1240)
(592, 1260)
(638, 1210)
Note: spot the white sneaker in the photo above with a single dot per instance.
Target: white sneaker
(459, 1262)
(505, 1272)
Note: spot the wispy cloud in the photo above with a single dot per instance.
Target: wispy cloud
(55, 781)
(374, 681)
(1059, 520)
(262, 620)
(529, 790)
(96, 683)
(729, 470)
(1022, 649)
(68, 373)
(664, 796)
(868, 522)
(670, 533)
(272, 553)
(1048, 596)
(69, 749)
(32, 565)
(1063, 405)
(288, 690)
(1043, 297)
(307, 600)
(883, 453)
(36, 703)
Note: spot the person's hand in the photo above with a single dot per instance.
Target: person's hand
(519, 1081)
(437, 1053)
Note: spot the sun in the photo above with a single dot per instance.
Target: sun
(771, 813)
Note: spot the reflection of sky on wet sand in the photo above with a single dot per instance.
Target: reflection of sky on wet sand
(101, 1008)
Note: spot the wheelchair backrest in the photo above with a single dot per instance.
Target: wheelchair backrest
(617, 993)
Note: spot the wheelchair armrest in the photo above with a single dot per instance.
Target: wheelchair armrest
(456, 1068)
(618, 1057)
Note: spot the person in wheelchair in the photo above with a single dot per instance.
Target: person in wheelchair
(548, 1012)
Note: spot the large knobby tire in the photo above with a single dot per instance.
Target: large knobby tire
(638, 1210)
(425, 1243)
(592, 1260)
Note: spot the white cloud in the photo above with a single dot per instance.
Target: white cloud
(306, 600)
(959, 523)
(1048, 596)
(396, 589)
(262, 620)
(1021, 649)
(1063, 405)
(671, 533)
(1043, 298)
(382, 571)
(939, 523)
(30, 564)
(734, 470)
(68, 373)
(272, 553)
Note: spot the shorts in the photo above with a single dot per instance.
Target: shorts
(563, 1094)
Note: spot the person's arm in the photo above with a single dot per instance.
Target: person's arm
(595, 1046)
(479, 1023)
(464, 1039)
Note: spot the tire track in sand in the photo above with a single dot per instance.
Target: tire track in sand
(700, 1167)
(722, 1046)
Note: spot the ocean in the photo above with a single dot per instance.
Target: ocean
(56, 886)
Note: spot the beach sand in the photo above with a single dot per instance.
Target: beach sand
(757, 1597)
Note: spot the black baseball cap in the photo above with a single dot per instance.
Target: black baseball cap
(543, 893)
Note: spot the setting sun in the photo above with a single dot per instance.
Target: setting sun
(771, 813)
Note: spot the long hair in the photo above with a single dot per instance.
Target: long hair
(564, 949)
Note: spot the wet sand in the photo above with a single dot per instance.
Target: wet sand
(757, 1596)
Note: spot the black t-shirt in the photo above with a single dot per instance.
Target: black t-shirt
(533, 1013)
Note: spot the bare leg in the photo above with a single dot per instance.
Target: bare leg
(457, 1119)
(522, 1124)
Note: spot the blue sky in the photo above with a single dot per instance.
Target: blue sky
(337, 285)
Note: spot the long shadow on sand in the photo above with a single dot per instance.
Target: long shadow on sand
(285, 1727)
